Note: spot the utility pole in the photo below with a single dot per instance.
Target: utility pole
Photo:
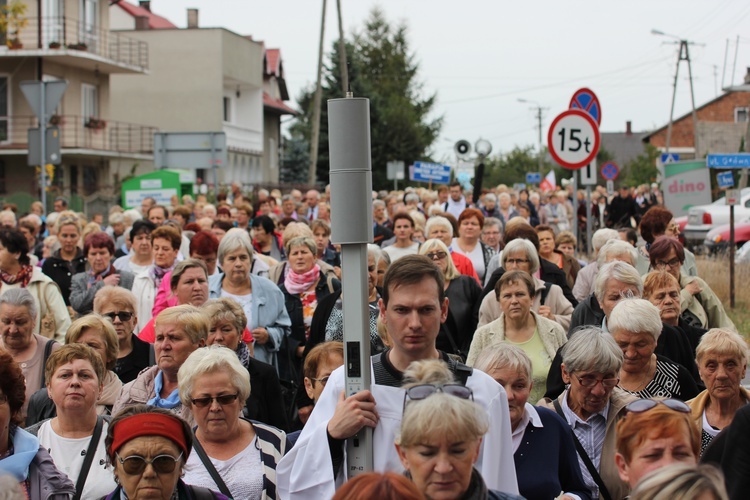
(538, 107)
(312, 175)
(342, 52)
(683, 55)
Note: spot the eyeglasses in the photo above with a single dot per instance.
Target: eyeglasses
(436, 255)
(222, 400)
(590, 382)
(323, 380)
(674, 228)
(643, 405)
(671, 264)
(516, 262)
(135, 464)
(423, 391)
(123, 315)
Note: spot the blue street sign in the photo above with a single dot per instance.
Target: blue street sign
(669, 158)
(725, 180)
(610, 171)
(426, 172)
(533, 178)
(736, 160)
(586, 100)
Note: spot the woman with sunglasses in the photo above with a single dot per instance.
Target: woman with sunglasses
(439, 454)
(235, 456)
(118, 306)
(464, 296)
(548, 299)
(656, 222)
(655, 433)
(636, 326)
(147, 448)
(543, 448)
(699, 305)
(592, 404)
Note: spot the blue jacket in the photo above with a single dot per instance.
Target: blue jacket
(268, 311)
(546, 460)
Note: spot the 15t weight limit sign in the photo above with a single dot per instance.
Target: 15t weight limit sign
(573, 139)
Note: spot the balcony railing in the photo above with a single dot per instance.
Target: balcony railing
(66, 33)
(78, 132)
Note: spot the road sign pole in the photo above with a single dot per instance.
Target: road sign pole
(214, 169)
(43, 128)
(588, 220)
(731, 256)
(575, 197)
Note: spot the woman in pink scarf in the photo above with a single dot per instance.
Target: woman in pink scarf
(304, 286)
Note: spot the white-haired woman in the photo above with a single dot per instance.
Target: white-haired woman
(260, 298)
(463, 295)
(439, 227)
(543, 448)
(592, 405)
(539, 337)
(439, 454)
(584, 285)
(636, 327)
(722, 363)
(243, 454)
(549, 301)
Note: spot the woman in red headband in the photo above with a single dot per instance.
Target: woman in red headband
(148, 447)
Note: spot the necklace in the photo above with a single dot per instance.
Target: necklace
(644, 381)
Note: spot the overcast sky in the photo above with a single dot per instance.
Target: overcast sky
(481, 56)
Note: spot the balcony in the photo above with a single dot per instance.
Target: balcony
(75, 43)
(80, 135)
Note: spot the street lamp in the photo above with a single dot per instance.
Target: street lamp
(483, 148)
(539, 109)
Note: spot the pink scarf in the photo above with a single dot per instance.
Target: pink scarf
(298, 283)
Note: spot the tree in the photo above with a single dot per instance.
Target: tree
(642, 170)
(382, 69)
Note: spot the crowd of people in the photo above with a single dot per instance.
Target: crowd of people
(194, 350)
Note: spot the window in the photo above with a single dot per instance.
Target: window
(90, 180)
(89, 23)
(227, 109)
(89, 101)
(740, 115)
(3, 190)
(74, 179)
(53, 13)
(4, 109)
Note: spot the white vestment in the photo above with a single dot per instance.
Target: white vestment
(306, 471)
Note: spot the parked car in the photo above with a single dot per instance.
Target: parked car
(743, 254)
(717, 239)
(703, 218)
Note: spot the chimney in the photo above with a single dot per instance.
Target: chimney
(192, 18)
(141, 23)
(146, 4)
(628, 128)
(747, 76)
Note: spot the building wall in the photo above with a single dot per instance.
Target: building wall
(721, 110)
(183, 90)
(271, 147)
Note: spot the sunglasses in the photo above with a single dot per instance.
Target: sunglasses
(123, 315)
(643, 405)
(222, 400)
(423, 391)
(135, 464)
(436, 255)
(323, 380)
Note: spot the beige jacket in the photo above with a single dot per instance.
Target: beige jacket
(698, 405)
(141, 390)
(607, 467)
(561, 307)
(706, 305)
(552, 335)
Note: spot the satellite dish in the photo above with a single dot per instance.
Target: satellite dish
(462, 148)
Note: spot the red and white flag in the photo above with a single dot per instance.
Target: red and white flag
(549, 183)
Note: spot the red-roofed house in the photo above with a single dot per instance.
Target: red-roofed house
(207, 79)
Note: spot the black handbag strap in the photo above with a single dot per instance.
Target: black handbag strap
(210, 467)
(603, 491)
(47, 351)
(90, 452)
